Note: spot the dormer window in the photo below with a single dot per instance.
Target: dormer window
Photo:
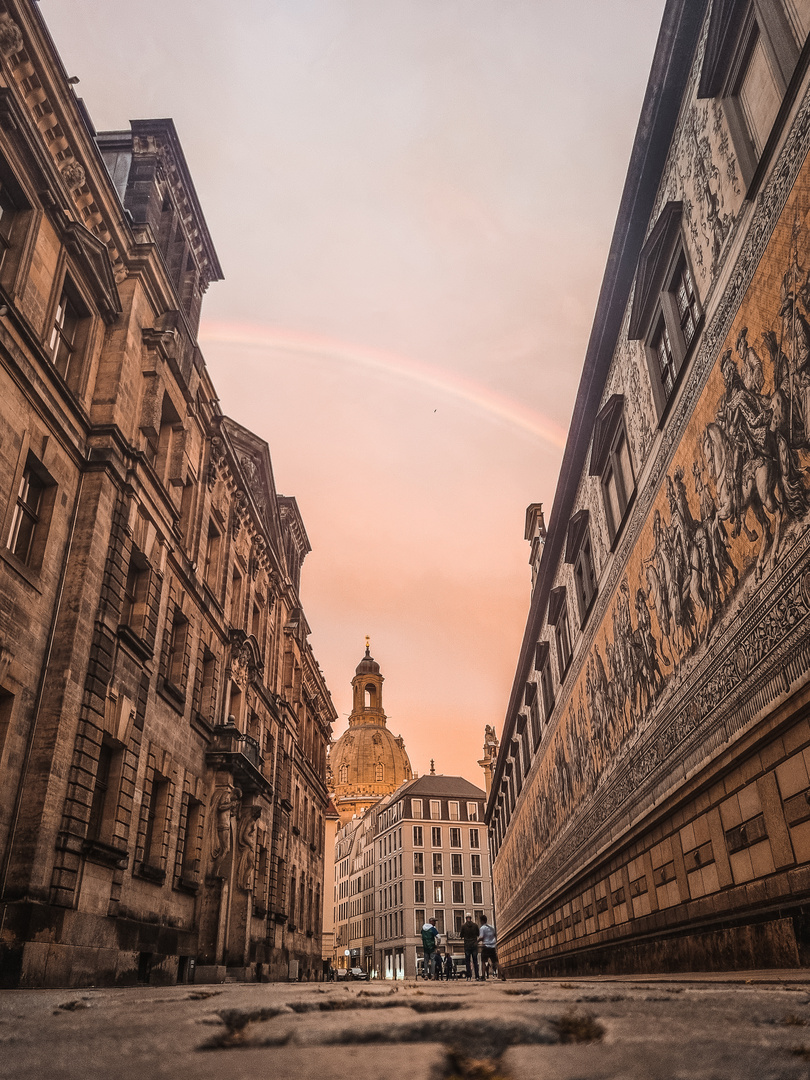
(751, 53)
(611, 462)
(666, 312)
(542, 663)
(558, 618)
(579, 553)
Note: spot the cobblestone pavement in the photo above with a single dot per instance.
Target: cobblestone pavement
(697, 1027)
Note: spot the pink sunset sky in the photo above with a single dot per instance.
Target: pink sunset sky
(412, 201)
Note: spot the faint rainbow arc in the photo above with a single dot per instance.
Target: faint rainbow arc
(277, 339)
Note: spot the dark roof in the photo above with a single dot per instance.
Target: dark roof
(443, 787)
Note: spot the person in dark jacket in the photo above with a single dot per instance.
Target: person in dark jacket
(449, 967)
(430, 942)
(469, 935)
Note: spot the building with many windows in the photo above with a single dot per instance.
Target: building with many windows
(163, 721)
(431, 861)
(650, 801)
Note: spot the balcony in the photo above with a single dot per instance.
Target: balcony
(241, 756)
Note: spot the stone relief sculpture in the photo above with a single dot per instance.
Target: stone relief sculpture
(733, 501)
(224, 805)
(246, 838)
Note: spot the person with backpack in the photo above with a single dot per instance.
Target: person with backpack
(430, 942)
(489, 942)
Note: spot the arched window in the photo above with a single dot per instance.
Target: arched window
(371, 696)
(343, 775)
(378, 772)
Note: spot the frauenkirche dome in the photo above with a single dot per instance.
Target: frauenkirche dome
(367, 761)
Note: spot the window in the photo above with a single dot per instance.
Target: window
(27, 519)
(236, 599)
(417, 836)
(458, 922)
(190, 866)
(453, 813)
(343, 774)
(455, 838)
(474, 838)
(475, 865)
(134, 605)
(419, 892)
(456, 867)
(105, 794)
(438, 892)
(418, 920)
(579, 554)
(458, 892)
(558, 618)
(611, 462)
(478, 892)
(472, 811)
(437, 863)
(666, 311)
(436, 836)
(416, 808)
(212, 555)
(65, 336)
(418, 862)
(752, 52)
(156, 816)
(542, 664)
(176, 653)
(8, 210)
(378, 772)
(435, 809)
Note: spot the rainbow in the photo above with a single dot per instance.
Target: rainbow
(273, 339)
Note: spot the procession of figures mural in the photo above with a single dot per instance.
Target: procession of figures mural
(735, 497)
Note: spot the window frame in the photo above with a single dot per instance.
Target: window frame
(558, 619)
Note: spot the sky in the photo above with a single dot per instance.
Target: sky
(412, 201)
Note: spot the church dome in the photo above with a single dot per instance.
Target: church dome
(367, 761)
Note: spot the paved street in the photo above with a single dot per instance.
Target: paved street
(755, 1024)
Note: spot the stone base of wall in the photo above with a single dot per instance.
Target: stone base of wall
(47, 946)
(775, 940)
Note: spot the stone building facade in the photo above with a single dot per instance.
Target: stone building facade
(649, 805)
(163, 721)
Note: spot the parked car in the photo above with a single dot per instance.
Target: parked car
(358, 973)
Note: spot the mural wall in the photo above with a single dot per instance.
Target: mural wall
(728, 510)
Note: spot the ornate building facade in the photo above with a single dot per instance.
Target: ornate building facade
(163, 721)
(649, 805)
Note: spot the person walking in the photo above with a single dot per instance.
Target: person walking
(469, 935)
(430, 941)
(489, 943)
(449, 967)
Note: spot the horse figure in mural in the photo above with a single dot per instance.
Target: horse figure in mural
(752, 463)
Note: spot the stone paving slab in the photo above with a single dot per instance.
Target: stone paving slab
(753, 1026)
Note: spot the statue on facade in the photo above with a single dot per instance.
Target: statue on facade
(491, 743)
(246, 838)
(223, 806)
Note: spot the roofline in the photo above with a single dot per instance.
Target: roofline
(671, 66)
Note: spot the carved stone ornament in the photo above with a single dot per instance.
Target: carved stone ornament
(11, 39)
(73, 174)
(250, 469)
(243, 669)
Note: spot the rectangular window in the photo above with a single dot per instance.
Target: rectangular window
(436, 836)
(563, 638)
(478, 892)
(458, 892)
(105, 794)
(435, 809)
(156, 817)
(456, 866)
(27, 518)
(437, 863)
(64, 338)
(416, 808)
(458, 922)
(584, 578)
(419, 892)
(418, 920)
(472, 811)
(546, 685)
(418, 862)
(134, 605)
(474, 838)
(190, 869)
(438, 892)
(439, 917)
(453, 811)
(212, 556)
(417, 836)
(455, 837)
(475, 865)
